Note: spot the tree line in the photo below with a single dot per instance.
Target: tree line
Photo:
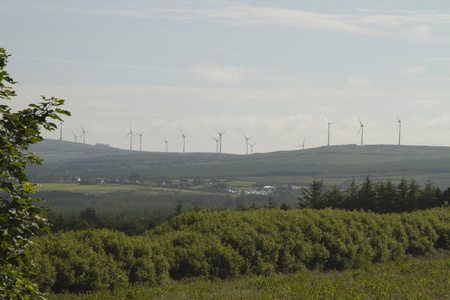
(379, 197)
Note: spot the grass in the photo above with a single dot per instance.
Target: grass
(105, 198)
(410, 279)
(99, 189)
(94, 189)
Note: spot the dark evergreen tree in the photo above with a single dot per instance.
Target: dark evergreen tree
(366, 195)
(313, 196)
(413, 196)
(334, 197)
(253, 206)
(351, 196)
(271, 204)
(427, 196)
(386, 197)
(285, 206)
(90, 216)
(402, 195)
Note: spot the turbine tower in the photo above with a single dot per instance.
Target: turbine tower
(220, 140)
(140, 140)
(329, 127)
(251, 147)
(217, 144)
(83, 134)
(184, 141)
(302, 145)
(61, 130)
(246, 144)
(75, 137)
(399, 130)
(361, 130)
(130, 134)
(166, 148)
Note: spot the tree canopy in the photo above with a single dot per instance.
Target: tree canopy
(20, 218)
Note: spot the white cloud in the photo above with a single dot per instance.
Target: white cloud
(214, 73)
(420, 33)
(413, 72)
(252, 15)
(398, 24)
(358, 82)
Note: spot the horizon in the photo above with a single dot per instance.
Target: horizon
(136, 150)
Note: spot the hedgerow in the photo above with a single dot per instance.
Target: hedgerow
(227, 244)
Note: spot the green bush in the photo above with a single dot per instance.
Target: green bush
(226, 244)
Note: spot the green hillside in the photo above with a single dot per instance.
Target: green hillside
(336, 164)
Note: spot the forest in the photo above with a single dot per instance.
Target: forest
(133, 213)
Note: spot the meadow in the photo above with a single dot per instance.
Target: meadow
(426, 278)
(107, 198)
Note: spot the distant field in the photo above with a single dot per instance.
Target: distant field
(106, 198)
(98, 189)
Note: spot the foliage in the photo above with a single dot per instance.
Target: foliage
(406, 279)
(19, 216)
(380, 197)
(229, 244)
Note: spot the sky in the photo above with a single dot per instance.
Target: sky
(269, 70)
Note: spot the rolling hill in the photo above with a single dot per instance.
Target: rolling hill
(335, 164)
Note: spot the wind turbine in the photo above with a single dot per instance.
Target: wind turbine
(60, 139)
(166, 145)
(246, 143)
(61, 130)
(329, 126)
(140, 140)
(302, 145)
(361, 130)
(130, 134)
(399, 129)
(83, 134)
(75, 137)
(217, 144)
(184, 141)
(220, 139)
(251, 146)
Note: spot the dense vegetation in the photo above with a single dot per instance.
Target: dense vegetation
(380, 197)
(228, 244)
(427, 278)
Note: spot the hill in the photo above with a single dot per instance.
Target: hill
(335, 164)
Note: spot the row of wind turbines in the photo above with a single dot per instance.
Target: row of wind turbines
(361, 131)
(131, 133)
(219, 138)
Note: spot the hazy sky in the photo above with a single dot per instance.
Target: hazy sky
(267, 69)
